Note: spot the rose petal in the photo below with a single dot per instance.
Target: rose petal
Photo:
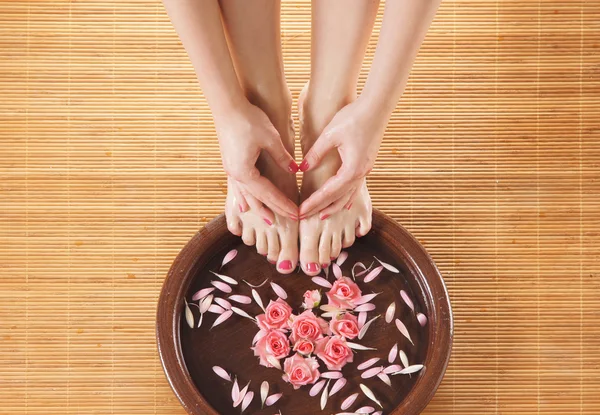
(222, 302)
(247, 400)
(202, 293)
(337, 386)
(331, 375)
(369, 394)
(242, 299)
(362, 318)
(389, 267)
(365, 298)
(422, 319)
(221, 286)
(357, 346)
(243, 393)
(407, 300)
(225, 278)
(274, 362)
(349, 401)
(403, 330)
(365, 327)
(189, 316)
(229, 257)
(368, 363)
(235, 391)
(341, 258)
(258, 336)
(403, 358)
(325, 396)
(322, 282)
(390, 312)
(373, 274)
(222, 373)
(222, 318)
(365, 410)
(258, 299)
(279, 291)
(393, 353)
(314, 391)
(242, 313)
(205, 303)
(337, 271)
(365, 307)
(392, 369)
(369, 373)
(256, 286)
(264, 392)
(272, 400)
(216, 309)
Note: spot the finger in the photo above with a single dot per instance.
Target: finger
(320, 148)
(265, 191)
(239, 199)
(260, 209)
(337, 206)
(277, 150)
(329, 192)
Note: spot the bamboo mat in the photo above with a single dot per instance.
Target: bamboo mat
(108, 165)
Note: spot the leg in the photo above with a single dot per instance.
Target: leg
(253, 35)
(340, 34)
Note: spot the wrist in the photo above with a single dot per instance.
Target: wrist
(376, 111)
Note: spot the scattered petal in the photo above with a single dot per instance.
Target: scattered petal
(222, 318)
(403, 330)
(362, 319)
(360, 274)
(258, 299)
(422, 319)
(205, 303)
(365, 298)
(272, 400)
(337, 271)
(389, 267)
(337, 386)
(274, 362)
(189, 316)
(235, 391)
(200, 320)
(325, 396)
(322, 282)
(247, 400)
(393, 353)
(221, 286)
(365, 327)
(316, 389)
(368, 363)
(360, 265)
(404, 358)
(369, 373)
(225, 278)
(357, 346)
(365, 307)
(256, 286)
(373, 274)
(216, 309)
(411, 369)
(365, 410)
(407, 300)
(242, 299)
(264, 392)
(374, 413)
(242, 396)
(390, 312)
(222, 373)
(222, 302)
(369, 393)
(229, 257)
(241, 312)
(392, 369)
(349, 401)
(279, 291)
(332, 375)
(202, 293)
(341, 258)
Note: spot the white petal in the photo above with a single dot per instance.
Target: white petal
(247, 400)
(389, 267)
(189, 316)
(216, 309)
(235, 391)
(365, 327)
(392, 369)
(274, 362)
(205, 303)
(362, 319)
(390, 313)
(242, 395)
(222, 302)
(256, 286)
(368, 363)
(222, 318)
(385, 378)
(222, 373)
(422, 319)
(332, 375)
(258, 299)
(365, 298)
(373, 274)
(411, 369)
(264, 392)
(242, 299)
(393, 353)
(337, 271)
(360, 265)
(325, 396)
(242, 313)
(369, 393)
(279, 291)
(403, 358)
(322, 282)
(272, 400)
(341, 258)
(229, 257)
(202, 293)
(407, 300)
(403, 330)
(225, 278)
(365, 307)
(365, 410)
(357, 346)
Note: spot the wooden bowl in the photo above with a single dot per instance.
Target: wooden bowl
(187, 355)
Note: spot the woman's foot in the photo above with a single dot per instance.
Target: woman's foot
(275, 236)
(323, 237)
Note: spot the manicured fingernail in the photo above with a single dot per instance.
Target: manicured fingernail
(303, 166)
(268, 222)
(241, 208)
(285, 265)
(271, 262)
(324, 217)
(349, 206)
(312, 267)
(293, 167)
(324, 266)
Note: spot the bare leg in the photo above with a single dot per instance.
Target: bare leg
(253, 34)
(340, 34)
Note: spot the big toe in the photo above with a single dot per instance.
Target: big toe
(310, 234)
(288, 256)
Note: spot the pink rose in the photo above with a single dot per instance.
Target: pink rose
(300, 370)
(307, 326)
(343, 293)
(276, 316)
(334, 352)
(312, 299)
(304, 347)
(346, 326)
(275, 344)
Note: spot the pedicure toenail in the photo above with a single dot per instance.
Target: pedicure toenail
(271, 262)
(312, 267)
(241, 208)
(285, 265)
(349, 206)
(324, 266)
(303, 166)
(324, 217)
(332, 258)
(293, 167)
(268, 222)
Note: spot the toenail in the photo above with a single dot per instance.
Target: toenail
(324, 217)
(332, 258)
(293, 167)
(241, 208)
(294, 217)
(268, 222)
(303, 166)
(325, 266)
(349, 206)
(285, 265)
(271, 262)
(312, 267)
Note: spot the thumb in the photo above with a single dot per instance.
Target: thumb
(281, 156)
(316, 153)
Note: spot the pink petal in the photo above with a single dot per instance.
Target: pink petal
(225, 278)
(362, 319)
(222, 318)
(367, 269)
(369, 373)
(222, 373)
(216, 309)
(332, 375)
(422, 319)
(365, 307)
(258, 336)
(337, 386)
(279, 291)
(235, 391)
(389, 267)
(222, 302)
(368, 363)
(390, 313)
(411, 369)
(202, 293)
(322, 282)
(407, 300)
(243, 393)
(393, 353)
(229, 257)
(365, 327)
(365, 298)
(221, 286)
(341, 258)
(205, 303)
(242, 313)
(314, 391)
(242, 299)
(364, 410)
(392, 369)
(349, 401)
(373, 274)
(337, 271)
(403, 330)
(247, 400)
(272, 400)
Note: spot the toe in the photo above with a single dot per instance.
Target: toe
(325, 249)
(288, 257)
(273, 243)
(261, 242)
(234, 225)
(364, 225)
(336, 245)
(349, 236)
(248, 235)
(309, 246)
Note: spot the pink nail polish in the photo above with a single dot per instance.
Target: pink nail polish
(268, 222)
(349, 206)
(324, 266)
(241, 208)
(285, 265)
(324, 217)
(312, 267)
(271, 262)
(303, 166)
(293, 167)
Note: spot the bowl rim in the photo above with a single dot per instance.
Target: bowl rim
(176, 284)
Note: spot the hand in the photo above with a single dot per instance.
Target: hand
(356, 133)
(243, 134)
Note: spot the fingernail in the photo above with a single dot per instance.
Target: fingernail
(241, 208)
(268, 222)
(312, 267)
(293, 167)
(303, 166)
(349, 206)
(302, 217)
(324, 217)
(294, 217)
(271, 262)
(324, 266)
(285, 265)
